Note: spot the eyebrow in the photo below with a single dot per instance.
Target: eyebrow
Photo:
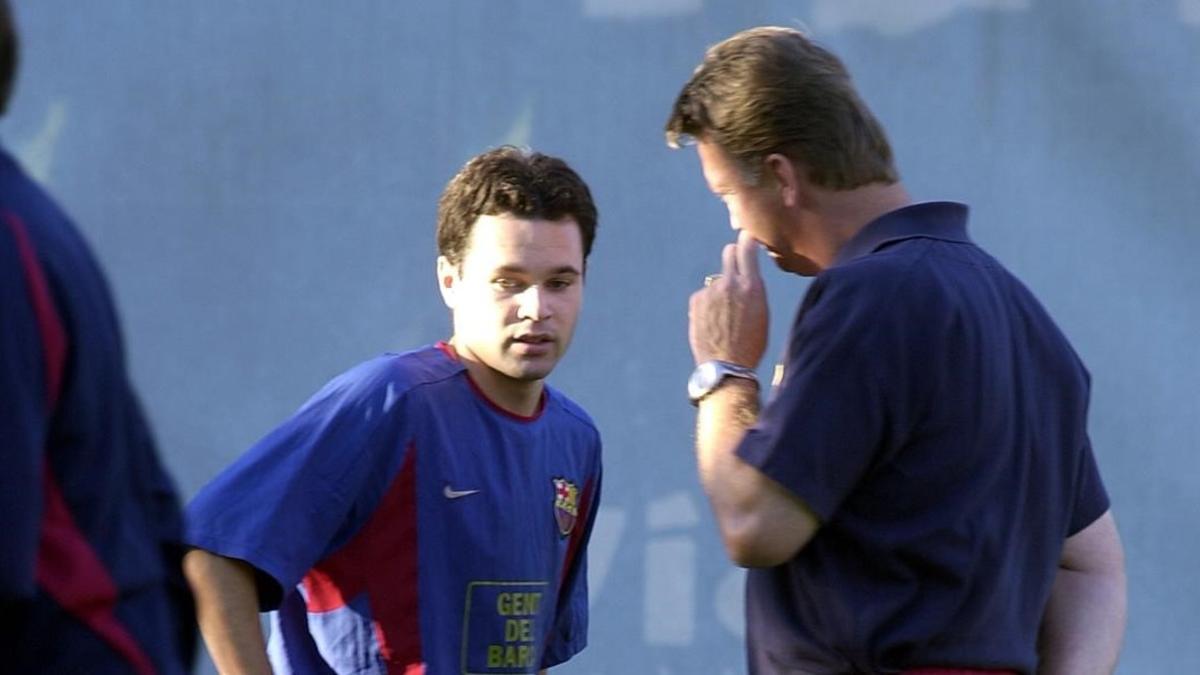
(515, 269)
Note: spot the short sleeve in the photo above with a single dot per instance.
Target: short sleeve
(568, 636)
(1091, 498)
(22, 425)
(309, 484)
(823, 424)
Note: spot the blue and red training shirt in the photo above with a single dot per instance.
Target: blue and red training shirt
(403, 523)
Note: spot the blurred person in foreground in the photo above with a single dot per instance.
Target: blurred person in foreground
(918, 494)
(90, 525)
(427, 512)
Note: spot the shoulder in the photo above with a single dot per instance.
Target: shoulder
(389, 376)
(847, 302)
(870, 309)
(569, 413)
(880, 276)
(15, 187)
(908, 279)
(34, 209)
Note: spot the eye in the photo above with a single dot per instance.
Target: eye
(507, 284)
(560, 283)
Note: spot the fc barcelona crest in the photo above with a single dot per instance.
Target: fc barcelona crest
(566, 505)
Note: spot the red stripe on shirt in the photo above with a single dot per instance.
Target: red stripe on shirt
(54, 336)
(72, 574)
(380, 560)
(69, 570)
(585, 507)
(577, 534)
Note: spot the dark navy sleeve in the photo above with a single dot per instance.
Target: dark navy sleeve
(1091, 499)
(820, 430)
(309, 484)
(569, 634)
(22, 426)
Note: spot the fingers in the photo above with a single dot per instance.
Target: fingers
(740, 258)
(729, 261)
(747, 254)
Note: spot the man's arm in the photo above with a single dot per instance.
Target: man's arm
(761, 522)
(227, 611)
(1085, 618)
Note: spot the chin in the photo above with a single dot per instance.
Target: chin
(525, 371)
(528, 374)
(798, 265)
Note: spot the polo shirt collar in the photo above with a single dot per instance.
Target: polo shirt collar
(933, 220)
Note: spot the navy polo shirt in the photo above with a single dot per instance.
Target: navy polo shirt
(934, 418)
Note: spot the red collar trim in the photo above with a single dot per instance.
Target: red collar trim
(449, 350)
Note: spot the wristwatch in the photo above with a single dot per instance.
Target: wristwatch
(708, 376)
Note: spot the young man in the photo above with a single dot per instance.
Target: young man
(427, 512)
(90, 526)
(919, 494)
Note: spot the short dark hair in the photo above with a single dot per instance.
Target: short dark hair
(770, 89)
(512, 181)
(9, 54)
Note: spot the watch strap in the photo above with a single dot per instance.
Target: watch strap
(708, 377)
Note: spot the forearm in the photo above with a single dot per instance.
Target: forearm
(227, 611)
(721, 422)
(762, 523)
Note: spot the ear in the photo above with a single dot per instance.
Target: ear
(448, 277)
(788, 178)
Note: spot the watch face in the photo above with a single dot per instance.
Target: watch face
(704, 378)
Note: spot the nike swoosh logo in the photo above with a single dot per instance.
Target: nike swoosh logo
(451, 493)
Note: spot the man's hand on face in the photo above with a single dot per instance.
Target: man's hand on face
(727, 319)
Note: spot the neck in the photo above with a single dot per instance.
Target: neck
(844, 213)
(518, 397)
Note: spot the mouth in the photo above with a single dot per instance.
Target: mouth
(533, 344)
(533, 338)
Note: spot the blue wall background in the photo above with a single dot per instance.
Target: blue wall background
(260, 179)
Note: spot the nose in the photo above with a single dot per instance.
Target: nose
(533, 304)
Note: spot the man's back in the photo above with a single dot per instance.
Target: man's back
(944, 447)
(92, 524)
